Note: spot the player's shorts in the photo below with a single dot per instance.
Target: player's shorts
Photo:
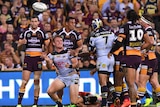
(32, 63)
(131, 61)
(105, 64)
(152, 65)
(69, 80)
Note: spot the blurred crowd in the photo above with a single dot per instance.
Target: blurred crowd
(15, 14)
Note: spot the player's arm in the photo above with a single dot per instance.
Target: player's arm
(118, 42)
(21, 40)
(49, 61)
(46, 45)
(79, 44)
(147, 42)
(74, 63)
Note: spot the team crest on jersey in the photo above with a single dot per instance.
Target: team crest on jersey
(103, 65)
(39, 35)
(28, 35)
(72, 38)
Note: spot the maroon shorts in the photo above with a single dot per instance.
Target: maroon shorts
(151, 64)
(32, 63)
(131, 61)
(118, 59)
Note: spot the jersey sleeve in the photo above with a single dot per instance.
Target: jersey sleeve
(21, 35)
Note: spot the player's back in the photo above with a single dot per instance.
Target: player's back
(134, 34)
(103, 41)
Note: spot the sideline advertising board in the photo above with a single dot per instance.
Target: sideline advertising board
(11, 81)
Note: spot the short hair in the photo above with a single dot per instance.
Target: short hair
(57, 36)
(132, 15)
(69, 18)
(35, 16)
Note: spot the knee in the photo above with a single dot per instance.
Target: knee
(49, 91)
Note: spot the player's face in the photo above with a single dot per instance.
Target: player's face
(72, 23)
(58, 42)
(34, 23)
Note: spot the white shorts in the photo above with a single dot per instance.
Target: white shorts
(69, 80)
(105, 64)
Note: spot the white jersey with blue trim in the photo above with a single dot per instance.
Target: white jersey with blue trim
(60, 60)
(102, 40)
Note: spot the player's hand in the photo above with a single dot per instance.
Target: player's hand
(109, 55)
(93, 71)
(67, 65)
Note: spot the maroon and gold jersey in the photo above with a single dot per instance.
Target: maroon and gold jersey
(35, 40)
(134, 33)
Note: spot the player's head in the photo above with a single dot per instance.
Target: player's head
(132, 16)
(71, 23)
(58, 41)
(97, 23)
(34, 21)
(146, 20)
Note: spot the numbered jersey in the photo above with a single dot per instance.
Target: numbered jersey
(60, 60)
(102, 40)
(134, 35)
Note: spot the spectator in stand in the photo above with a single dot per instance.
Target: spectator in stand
(54, 4)
(77, 7)
(3, 26)
(125, 6)
(44, 17)
(114, 26)
(87, 63)
(58, 17)
(1, 66)
(85, 35)
(9, 39)
(18, 18)
(153, 9)
(111, 13)
(107, 5)
(58, 26)
(5, 10)
(97, 15)
(23, 25)
(89, 16)
(11, 30)
(139, 6)
(17, 4)
(9, 51)
(9, 65)
(1, 3)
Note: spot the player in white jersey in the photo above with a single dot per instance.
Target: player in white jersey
(102, 40)
(67, 76)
